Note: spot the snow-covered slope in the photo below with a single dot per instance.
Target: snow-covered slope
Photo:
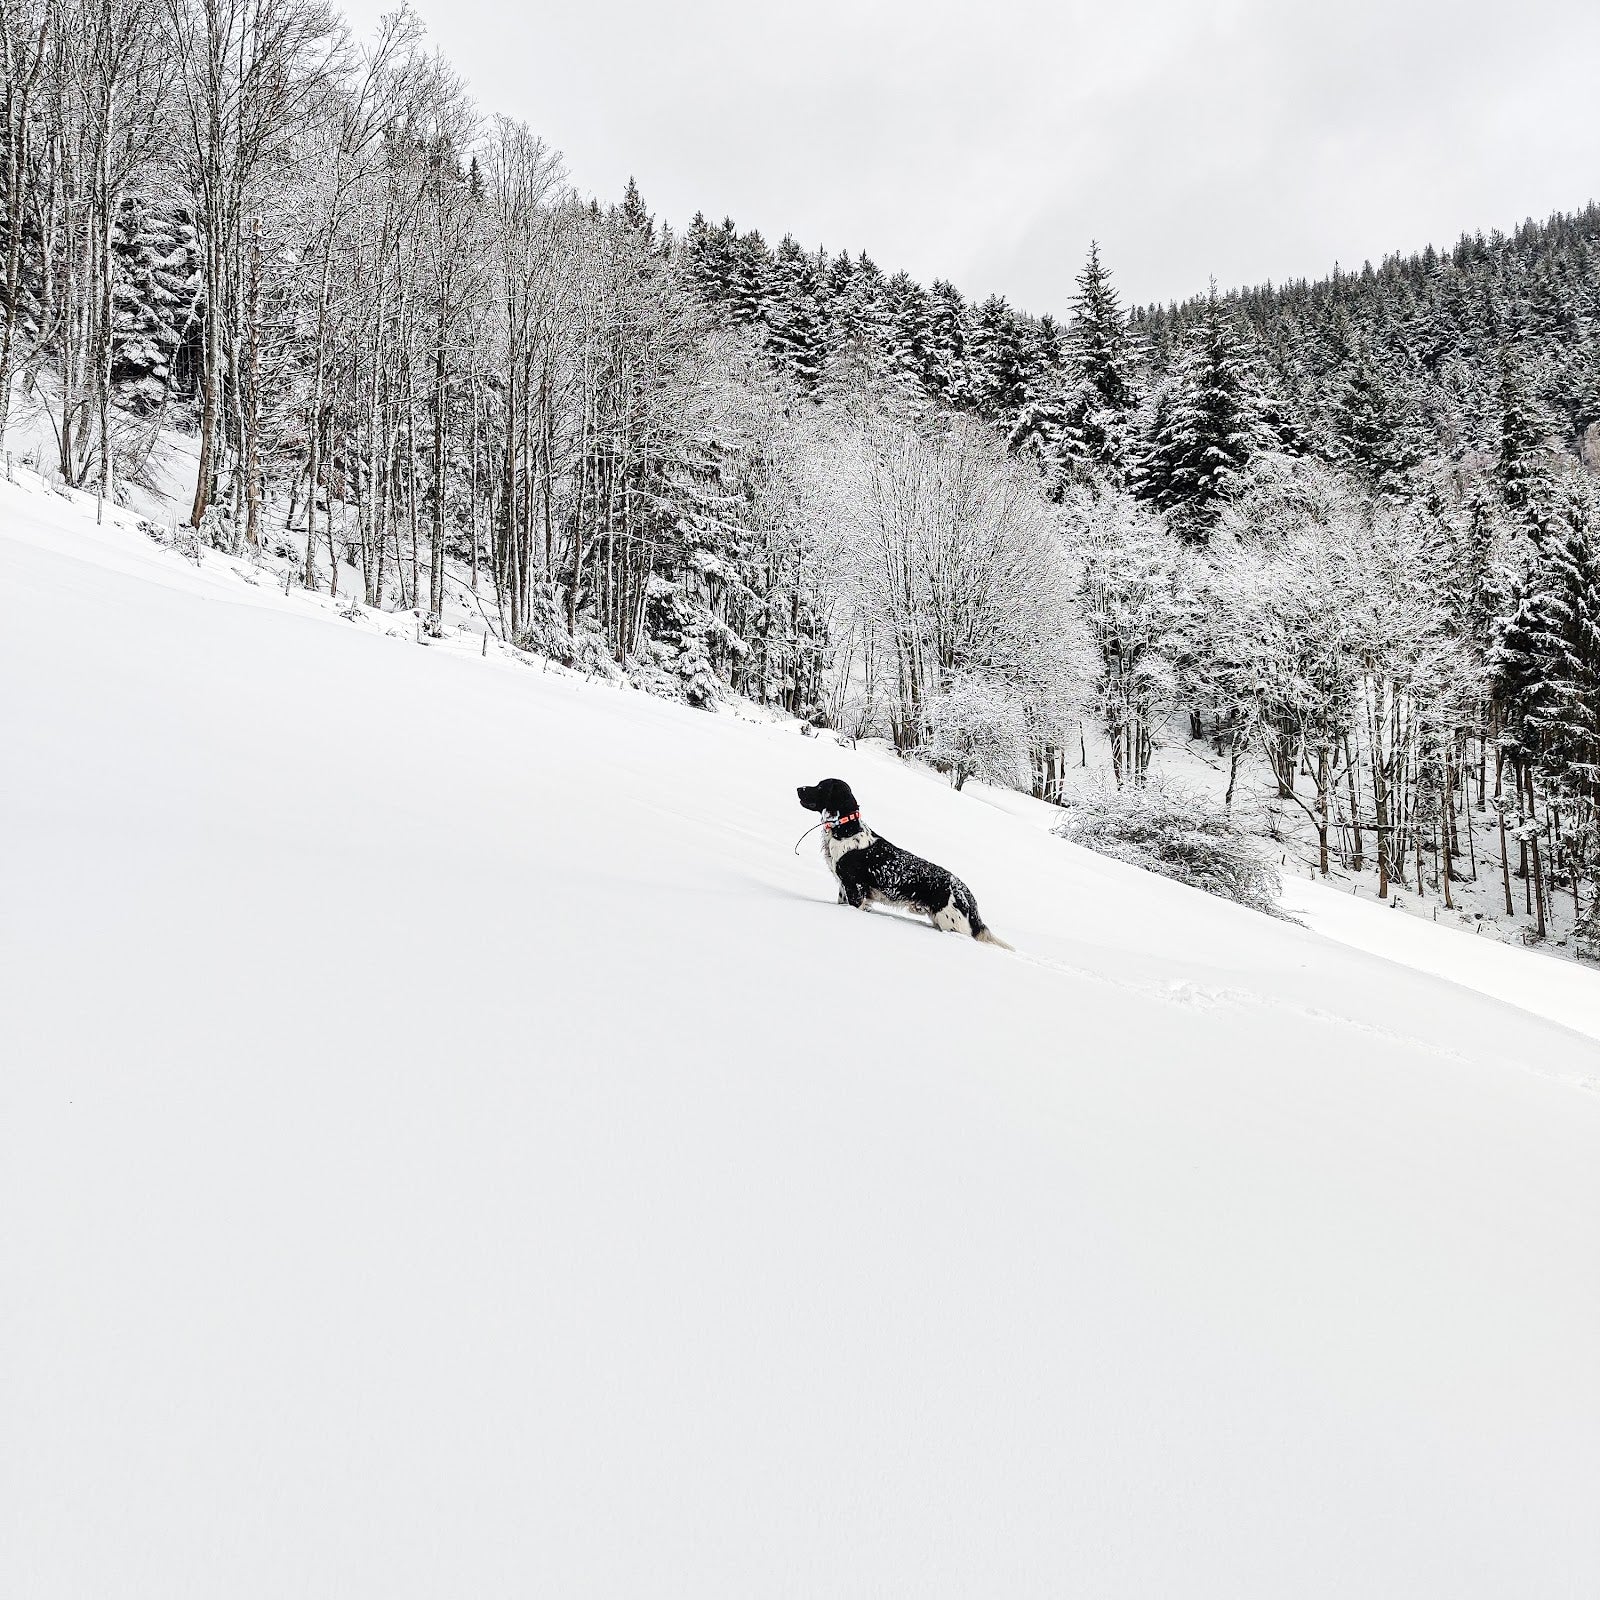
(1562, 991)
(451, 1144)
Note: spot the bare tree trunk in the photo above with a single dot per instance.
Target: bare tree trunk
(70, 280)
(1500, 813)
(1322, 809)
(436, 562)
(206, 470)
(333, 554)
(1444, 865)
(314, 419)
(1353, 778)
(472, 478)
(104, 213)
(252, 420)
(1380, 801)
(1538, 871)
(22, 77)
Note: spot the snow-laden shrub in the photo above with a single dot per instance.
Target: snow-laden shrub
(677, 669)
(217, 529)
(544, 626)
(686, 641)
(976, 731)
(1166, 828)
(179, 536)
(544, 633)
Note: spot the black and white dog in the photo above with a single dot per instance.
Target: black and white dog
(872, 871)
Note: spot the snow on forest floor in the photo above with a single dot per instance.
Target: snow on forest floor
(168, 456)
(451, 1143)
(1283, 830)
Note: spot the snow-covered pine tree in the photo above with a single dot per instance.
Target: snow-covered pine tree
(861, 374)
(636, 215)
(858, 316)
(154, 296)
(835, 291)
(1519, 665)
(910, 330)
(750, 273)
(996, 363)
(1100, 389)
(1373, 422)
(702, 512)
(1525, 448)
(1569, 642)
(1046, 347)
(1528, 674)
(1035, 432)
(1211, 419)
(947, 332)
(704, 257)
(795, 333)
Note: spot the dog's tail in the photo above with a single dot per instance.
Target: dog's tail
(987, 935)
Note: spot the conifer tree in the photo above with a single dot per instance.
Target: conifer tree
(910, 330)
(1566, 642)
(1373, 423)
(1522, 464)
(713, 256)
(154, 293)
(636, 215)
(1211, 420)
(1046, 347)
(1518, 666)
(836, 287)
(794, 319)
(858, 317)
(1100, 392)
(947, 333)
(749, 273)
(996, 364)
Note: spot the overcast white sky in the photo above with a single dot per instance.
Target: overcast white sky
(1248, 139)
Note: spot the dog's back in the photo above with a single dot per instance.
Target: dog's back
(888, 875)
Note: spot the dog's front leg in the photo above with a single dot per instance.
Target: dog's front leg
(851, 890)
(854, 880)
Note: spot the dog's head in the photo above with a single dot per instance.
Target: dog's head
(832, 797)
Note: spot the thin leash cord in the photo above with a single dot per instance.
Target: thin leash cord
(807, 834)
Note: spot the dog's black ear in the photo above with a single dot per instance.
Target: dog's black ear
(837, 796)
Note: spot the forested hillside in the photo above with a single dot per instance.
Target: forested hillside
(1418, 349)
(1345, 529)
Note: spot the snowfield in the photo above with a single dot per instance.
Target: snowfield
(1562, 991)
(450, 1144)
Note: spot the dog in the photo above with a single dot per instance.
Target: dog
(871, 871)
